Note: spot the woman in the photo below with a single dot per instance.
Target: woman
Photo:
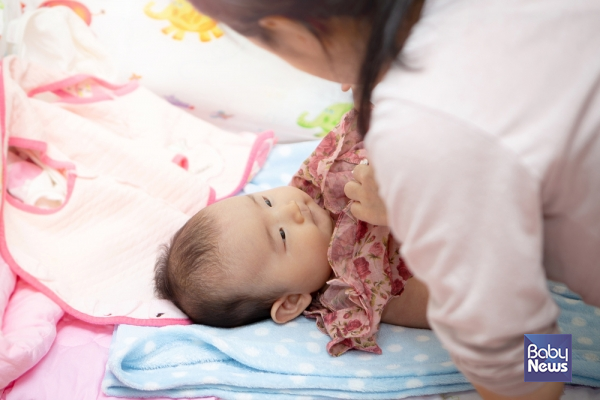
(484, 139)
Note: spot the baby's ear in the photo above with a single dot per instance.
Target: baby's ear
(289, 306)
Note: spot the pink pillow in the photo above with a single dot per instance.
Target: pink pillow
(28, 329)
(73, 368)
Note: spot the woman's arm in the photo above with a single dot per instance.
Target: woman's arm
(408, 309)
(467, 212)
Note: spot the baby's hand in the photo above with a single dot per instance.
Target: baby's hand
(363, 190)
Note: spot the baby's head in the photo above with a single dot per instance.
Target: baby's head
(248, 258)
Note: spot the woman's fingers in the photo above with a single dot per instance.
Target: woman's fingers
(363, 190)
(369, 211)
(353, 190)
(360, 212)
(363, 174)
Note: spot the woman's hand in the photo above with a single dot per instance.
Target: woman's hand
(363, 190)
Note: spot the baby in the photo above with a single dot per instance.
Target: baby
(291, 250)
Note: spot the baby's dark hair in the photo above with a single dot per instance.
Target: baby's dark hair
(192, 273)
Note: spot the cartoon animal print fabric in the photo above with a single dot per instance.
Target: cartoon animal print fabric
(184, 18)
(327, 119)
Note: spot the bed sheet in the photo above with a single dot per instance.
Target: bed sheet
(74, 366)
(271, 361)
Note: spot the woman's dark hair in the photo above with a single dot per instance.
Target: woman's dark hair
(389, 21)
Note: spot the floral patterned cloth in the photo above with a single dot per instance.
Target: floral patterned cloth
(365, 258)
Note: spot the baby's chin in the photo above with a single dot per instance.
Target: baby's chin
(325, 284)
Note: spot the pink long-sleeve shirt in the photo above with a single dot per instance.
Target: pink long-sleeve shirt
(487, 154)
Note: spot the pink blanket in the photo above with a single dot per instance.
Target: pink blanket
(136, 168)
(28, 325)
(47, 358)
(122, 151)
(72, 369)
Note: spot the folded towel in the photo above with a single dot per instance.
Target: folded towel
(269, 361)
(273, 361)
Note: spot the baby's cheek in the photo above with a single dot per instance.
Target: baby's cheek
(323, 242)
(323, 251)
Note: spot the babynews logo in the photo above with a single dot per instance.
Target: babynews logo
(548, 358)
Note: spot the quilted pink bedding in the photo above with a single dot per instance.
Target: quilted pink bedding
(42, 354)
(72, 368)
(134, 169)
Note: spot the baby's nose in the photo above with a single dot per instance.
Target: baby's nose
(292, 211)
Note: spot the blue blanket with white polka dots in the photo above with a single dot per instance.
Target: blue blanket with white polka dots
(269, 361)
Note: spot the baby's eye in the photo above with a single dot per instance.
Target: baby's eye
(282, 234)
(268, 202)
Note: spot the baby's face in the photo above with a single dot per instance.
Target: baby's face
(279, 237)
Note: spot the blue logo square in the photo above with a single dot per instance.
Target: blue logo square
(548, 358)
